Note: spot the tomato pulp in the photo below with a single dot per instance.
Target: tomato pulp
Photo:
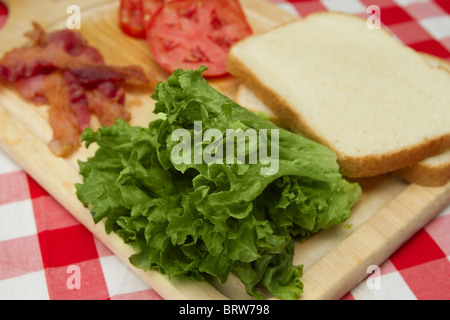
(3, 14)
(189, 33)
(130, 18)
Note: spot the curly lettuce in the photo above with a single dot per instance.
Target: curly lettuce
(196, 219)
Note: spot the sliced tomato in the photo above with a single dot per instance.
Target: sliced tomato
(3, 14)
(131, 18)
(149, 8)
(189, 33)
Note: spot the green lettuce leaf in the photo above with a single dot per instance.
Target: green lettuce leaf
(196, 219)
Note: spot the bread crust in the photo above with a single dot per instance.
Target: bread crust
(351, 166)
(424, 175)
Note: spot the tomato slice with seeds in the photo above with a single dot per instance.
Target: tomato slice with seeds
(131, 18)
(189, 33)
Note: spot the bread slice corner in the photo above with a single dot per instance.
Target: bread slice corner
(431, 172)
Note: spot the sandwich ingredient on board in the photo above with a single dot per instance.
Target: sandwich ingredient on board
(61, 70)
(202, 219)
(186, 34)
(378, 104)
(3, 13)
(433, 171)
(131, 18)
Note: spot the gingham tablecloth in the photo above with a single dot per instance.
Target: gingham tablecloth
(42, 246)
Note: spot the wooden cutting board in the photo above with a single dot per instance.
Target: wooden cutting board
(335, 260)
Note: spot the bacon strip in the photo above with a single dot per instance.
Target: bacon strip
(66, 128)
(131, 75)
(107, 101)
(60, 69)
(66, 40)
(26, 62)
(57, 50)
(69, 112)
(77, 100)
(32, 88)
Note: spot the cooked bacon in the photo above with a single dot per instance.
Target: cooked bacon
(60, 69)
(67, 40)
(56, 50)
(37, 35)
(77, 100)
(64, 50)
(71, 106)
(132, 75)
(26, 62)
(65, 124)
(32, 88)
(38, 89)
(68, 112)
(107, 102)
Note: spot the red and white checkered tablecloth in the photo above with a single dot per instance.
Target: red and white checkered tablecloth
(41, 243)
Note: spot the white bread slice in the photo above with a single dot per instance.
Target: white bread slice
(431, 172)
(378, 104)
